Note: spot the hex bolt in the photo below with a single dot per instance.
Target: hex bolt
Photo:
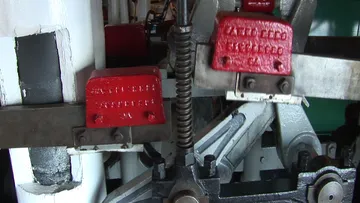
(262, 159)
(250, 83)
(224, 60)
(151, 117)
(159, 172)
(82, 139)
(284, 86)
(210, 165)
(304, 158)
(98, 119)
(279, 66)
(118, 137)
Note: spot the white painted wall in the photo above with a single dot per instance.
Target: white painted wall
(80, 40)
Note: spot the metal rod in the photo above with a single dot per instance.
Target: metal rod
(182, 13)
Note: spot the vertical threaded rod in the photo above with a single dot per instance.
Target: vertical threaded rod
(183, 72)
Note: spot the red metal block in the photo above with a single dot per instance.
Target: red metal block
(124, 97)
(266, 6)
(253, 43)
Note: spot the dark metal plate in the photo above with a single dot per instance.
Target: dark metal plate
(62, 124)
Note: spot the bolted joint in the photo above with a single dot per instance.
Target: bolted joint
(210, 165)
(159, 172)
(250, 83)
(285, 87)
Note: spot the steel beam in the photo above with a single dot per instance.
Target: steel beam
(64, 125)
(315, 76)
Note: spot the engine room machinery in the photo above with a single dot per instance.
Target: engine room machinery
(258, 146)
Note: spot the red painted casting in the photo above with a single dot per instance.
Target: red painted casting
(124, 97)
(253, 43)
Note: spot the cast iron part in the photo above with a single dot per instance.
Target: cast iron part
(269, 84)
(306, 187)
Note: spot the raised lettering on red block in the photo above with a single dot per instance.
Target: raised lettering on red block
(252, 43)
(124, 97)
(266, 6)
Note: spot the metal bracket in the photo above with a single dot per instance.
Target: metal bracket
(63, 125)
(269, 84)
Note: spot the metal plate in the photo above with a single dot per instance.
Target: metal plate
(261, 97)
(39, 126)
(270, 84)
(206, 77)
(57, 125)
(315, 76)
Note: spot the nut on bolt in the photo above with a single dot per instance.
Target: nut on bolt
(159, 172)
(210, 165)
(284, 86)
(82, 139)
(250, 83)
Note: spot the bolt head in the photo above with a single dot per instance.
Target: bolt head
(82, 139)
(250, 83)
(284, 86)
(224, 60)
(209, 158)
(98, 119)
(151, 117)
(279, 66)
(118, 137)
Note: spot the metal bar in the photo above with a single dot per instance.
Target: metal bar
(40, 126)
(63, 125)
(324, 77)
(182, 13)
(315, 76)
(206, 77)
(301, 19)
(169, 90)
